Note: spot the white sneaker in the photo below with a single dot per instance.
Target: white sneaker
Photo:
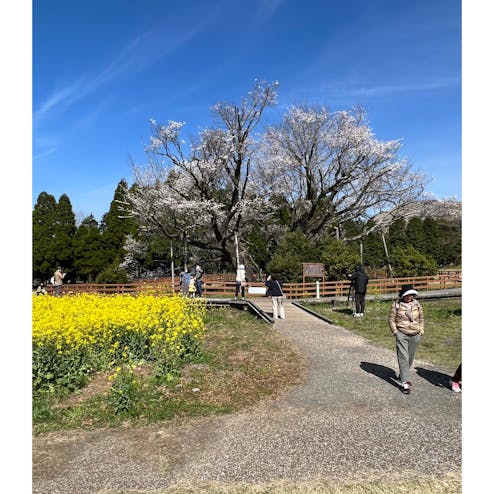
(405, 387)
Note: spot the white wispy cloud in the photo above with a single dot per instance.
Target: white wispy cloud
(140, 53)
(399, 88)
(348, 92)
(60, 97)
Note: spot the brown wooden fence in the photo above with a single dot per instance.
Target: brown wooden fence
(220, 286)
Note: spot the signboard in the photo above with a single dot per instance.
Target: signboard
(313, 270)
(257, 290)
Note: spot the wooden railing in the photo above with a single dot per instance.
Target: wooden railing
(220, 287)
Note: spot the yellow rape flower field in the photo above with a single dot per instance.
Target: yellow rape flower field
(104, 361)
(74, 336)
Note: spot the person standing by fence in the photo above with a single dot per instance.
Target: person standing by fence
(41, 290)
(275, 291)
(58, 277)
(359, 280)
(198, 276)
(240, 281)
(406, 321)
(184, 281)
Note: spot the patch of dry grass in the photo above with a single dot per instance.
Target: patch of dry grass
(450, 484)
(248, 360)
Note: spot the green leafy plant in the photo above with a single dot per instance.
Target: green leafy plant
(124, 389)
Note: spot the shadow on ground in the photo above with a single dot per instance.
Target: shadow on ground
(385, 373)
(436, 378)
(347, 311)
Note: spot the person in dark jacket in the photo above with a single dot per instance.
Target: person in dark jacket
(275, 291)
(359, 281)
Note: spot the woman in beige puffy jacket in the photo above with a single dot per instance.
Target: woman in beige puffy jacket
(406, 321)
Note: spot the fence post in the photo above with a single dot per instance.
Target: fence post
(317, 289)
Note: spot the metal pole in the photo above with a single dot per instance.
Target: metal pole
(317, 289)
(185, 250)
(387, 255)
(172, 267)
(236, 248)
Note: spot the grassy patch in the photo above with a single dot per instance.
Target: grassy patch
(243, 361)
(440, 345)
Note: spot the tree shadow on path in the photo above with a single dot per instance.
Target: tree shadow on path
(385, 373)
(436, 378)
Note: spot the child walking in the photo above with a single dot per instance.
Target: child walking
(192, 287)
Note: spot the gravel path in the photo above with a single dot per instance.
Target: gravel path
(348, 419)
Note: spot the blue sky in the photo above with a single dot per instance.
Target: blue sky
(102, 70)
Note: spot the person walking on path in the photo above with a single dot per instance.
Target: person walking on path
(275, 291)
(58, 277)
(359, 280)
(240, 281)
(406, 321)
(455, 381)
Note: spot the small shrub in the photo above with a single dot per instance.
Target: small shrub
(124, 389)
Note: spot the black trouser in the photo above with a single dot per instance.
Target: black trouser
(457, 376)
(359, 303)
(199, 288)
(239, 287)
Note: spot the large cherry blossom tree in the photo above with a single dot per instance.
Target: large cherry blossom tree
(328, 168)
(202, 193)
(313, 172)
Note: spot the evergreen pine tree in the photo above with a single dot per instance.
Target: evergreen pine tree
(89, 258)
(397, 234)
(44, 249)
(431, 232)
(116, 226)
(415, 234)
(65, 228)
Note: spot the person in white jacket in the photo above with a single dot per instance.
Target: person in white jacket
(240, 281)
